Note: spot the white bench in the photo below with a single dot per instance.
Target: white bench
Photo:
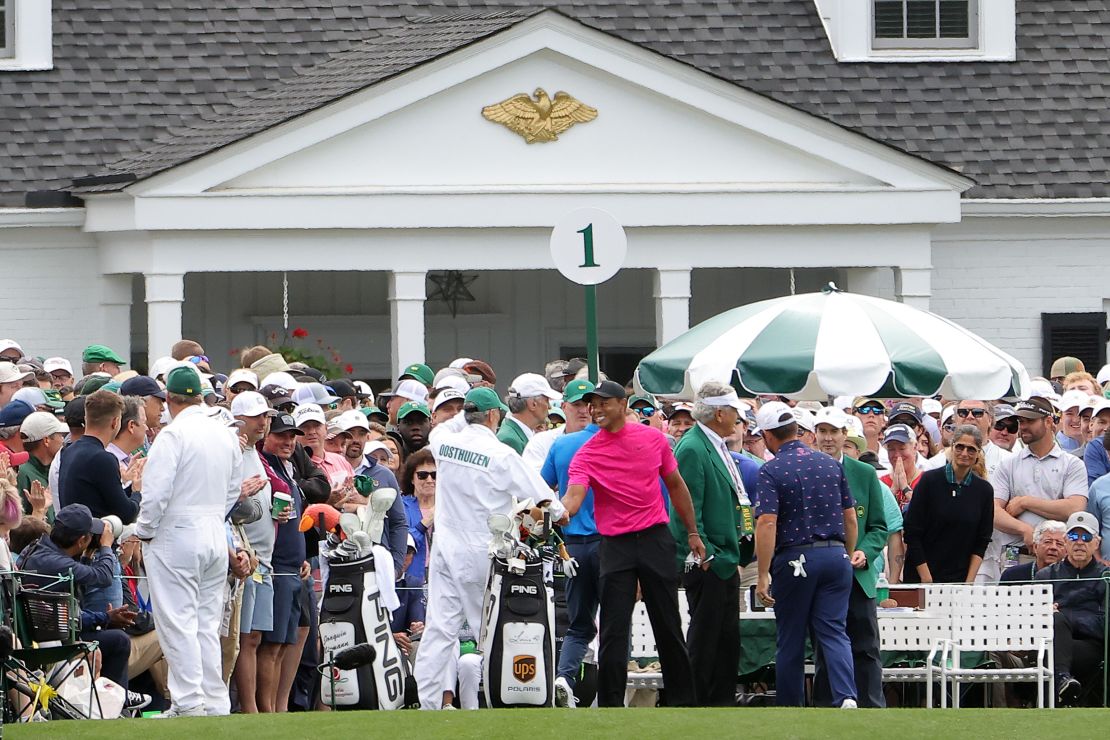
(643, 644)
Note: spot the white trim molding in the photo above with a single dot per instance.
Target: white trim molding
(34, 37)
(1036, 207)
(19, 218)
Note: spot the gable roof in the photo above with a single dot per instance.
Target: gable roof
(128, 73)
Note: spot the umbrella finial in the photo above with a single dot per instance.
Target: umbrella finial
(831, 288)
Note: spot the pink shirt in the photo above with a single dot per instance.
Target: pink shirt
(623, 469)
(336, 467)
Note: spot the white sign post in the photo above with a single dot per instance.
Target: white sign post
(588, 247)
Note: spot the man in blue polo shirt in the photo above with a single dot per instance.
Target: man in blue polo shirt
(806, 528)
(582, 539)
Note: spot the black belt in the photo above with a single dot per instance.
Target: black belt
(815, 545)
(581, 539)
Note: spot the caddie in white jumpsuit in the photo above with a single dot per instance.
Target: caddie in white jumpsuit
(477, 475)
(191, 480)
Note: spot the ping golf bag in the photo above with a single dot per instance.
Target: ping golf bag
(352, 614)
(518, 631)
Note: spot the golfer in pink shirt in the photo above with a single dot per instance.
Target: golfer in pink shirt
(622, 463)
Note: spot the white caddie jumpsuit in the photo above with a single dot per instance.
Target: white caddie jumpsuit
(477, 475)
(192, 478)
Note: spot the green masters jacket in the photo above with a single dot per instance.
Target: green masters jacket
(715, 505)
(868, 493)
(513, 435)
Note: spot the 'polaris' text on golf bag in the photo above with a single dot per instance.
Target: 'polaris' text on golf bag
(352, 614)
(518, 639)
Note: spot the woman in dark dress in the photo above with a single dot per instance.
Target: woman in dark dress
(951, 517)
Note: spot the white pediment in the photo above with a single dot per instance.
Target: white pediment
(640, 137)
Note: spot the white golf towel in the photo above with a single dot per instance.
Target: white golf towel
(383, 569)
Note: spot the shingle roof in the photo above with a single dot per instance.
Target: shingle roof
(129, 71)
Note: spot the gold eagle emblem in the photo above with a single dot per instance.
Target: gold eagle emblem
(538, 117)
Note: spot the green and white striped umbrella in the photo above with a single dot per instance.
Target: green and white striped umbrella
(813, 346)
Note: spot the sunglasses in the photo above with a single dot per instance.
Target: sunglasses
(1006, 425)
(197, 359)
(977, 413)
(645, 411)
(966, 449)
(1080, 536)
(426, 474)
(949, 428)
(869, 410)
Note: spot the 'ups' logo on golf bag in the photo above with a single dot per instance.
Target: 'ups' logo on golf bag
(524, 668)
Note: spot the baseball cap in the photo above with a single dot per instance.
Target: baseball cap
(553, 411)
(844, 403)
(36, 397)
(451, 378)
(412, 407)
(9, 373)
(411, 389)
(184, 380)
(314, 393)
(832, 416)
(532, 385)
(78, 519)
(483, 399)
(898, 433)
(374, 411)
(352, 419)
(418, 371)
(574, 366)
(374, 447)
(1036, 407)
(100, 353)
(74, 414)
(861, 401)
(804, 417)
(904, 408)
(345, 389)
(1103, 376)
(285, 423)
(1099, 404)
(731, 400)
(1083, 520)
(242, 375)
(859, 441)
(335, 428)
(6, 344)
(53, 364)
(576, 390)
(774, 415)
(222, 415)
(142, 385)
(306, 373)
(40, 425)
(1073, 399)
(364, 390)
(445, 395)
(250, 403)
(14, 413)
(1066, 365)
(931, 406)
(681, 407)
(276, 395)
(606, 389)
(1006, 411)
(307, 412)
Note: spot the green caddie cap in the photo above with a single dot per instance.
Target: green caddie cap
(94, 383)
(100, 353)
(412, 407)
(483, 399)
(640, 398)
(369, 411)
(576, 389)
(184, 381)
(419, 371)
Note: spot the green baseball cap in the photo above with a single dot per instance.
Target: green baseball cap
(556, 412)
(369, 411)
(184, 381)
(483, 399)
(412, 407)
(575, 389)
(112, 386)
(100, 353)
(419, 371)
(54, 399)
(643, 398)
(93, 383)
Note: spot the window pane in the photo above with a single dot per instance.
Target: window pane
(954, 19)
(921, 19)
(3, 27)
(888, 19)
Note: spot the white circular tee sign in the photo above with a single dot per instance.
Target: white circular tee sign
(588, 246)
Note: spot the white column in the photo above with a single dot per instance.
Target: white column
(672, 304)
(872, 281)
(913, 286)
(165, 294)
(115, 313)
(406, 318)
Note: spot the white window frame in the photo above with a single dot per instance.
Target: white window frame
(30, 44)
(936, 42)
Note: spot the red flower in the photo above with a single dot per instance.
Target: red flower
(300, 333)
(349, 368)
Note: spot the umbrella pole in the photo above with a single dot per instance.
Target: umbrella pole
(591, 331)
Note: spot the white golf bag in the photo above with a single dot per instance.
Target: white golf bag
(517, 638)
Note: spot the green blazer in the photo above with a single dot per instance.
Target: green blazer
(715, 505)
(868, 493)
(511, 434)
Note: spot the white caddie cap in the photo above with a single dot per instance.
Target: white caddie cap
(774, 415)
(804, 417)
(931, 406)
(533, 385)
(832, 416)
(53, 364)
(374, 446)
(242, 375)
(6, 344)
(1073, 399)
(307, 412)
(250, 403)
(352, 419)
(445, 395)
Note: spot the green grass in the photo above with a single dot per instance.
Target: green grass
(586, 724)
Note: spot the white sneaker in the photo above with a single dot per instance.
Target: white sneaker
(176, 711)
(564, 694)
(849, 704)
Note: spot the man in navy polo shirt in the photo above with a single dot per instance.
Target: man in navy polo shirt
(806, 528)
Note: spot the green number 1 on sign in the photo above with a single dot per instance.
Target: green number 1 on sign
(588, 246)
